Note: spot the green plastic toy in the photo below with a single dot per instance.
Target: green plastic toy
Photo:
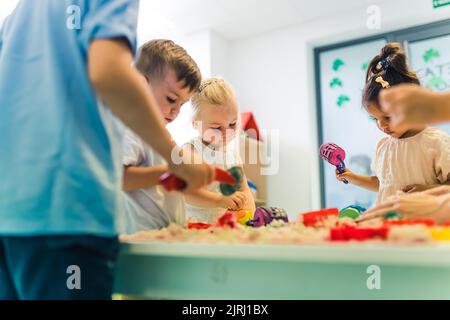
(349, 212)
(229, 189)
(392, 215)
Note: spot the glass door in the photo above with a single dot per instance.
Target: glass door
(344, 121)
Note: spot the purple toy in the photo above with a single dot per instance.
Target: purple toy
(335, 155)
(264, 216)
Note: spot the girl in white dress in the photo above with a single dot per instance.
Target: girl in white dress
(215, 117)
(411, 160)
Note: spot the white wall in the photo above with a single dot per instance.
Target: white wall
(273, 76)
(219, 55)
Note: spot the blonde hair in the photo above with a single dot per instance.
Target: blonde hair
(215, 91)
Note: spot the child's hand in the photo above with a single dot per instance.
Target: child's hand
(438, 191)
(412, 206)
(192, 169)
(410, 105)
(347, 175)
(415, 188)
(233, 202)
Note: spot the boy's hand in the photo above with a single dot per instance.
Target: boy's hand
(233, 202)
(196, 176)
(347, 175)
(191, 169)
(410, 105)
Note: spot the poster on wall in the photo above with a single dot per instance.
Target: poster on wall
(345, 122)
(440, 3)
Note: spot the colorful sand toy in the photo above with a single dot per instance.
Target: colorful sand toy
(347, 233)
(440, 233)
(227, 220)
(335, 155)
(311, 219)
(243, 216)
(353, 212)
(392, 215)
(199, 225)
(264, 216)
(228, 189)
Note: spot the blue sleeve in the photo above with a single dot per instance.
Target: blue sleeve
(108, 19)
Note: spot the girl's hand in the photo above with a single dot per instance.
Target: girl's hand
(411, 188)
(347, 175)
(438, 191)
(413, 205)
(234, 202)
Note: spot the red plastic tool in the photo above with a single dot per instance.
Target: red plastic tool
(310, 219)
(172, 183)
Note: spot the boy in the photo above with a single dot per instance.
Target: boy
(59, 161)
(174, 77)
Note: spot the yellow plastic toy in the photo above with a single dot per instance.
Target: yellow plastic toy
(243, 216)
(440, 233)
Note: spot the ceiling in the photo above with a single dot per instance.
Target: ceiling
(235, 19)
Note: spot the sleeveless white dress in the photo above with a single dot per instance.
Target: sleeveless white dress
(225, 159)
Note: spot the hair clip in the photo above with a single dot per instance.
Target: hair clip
(383, 64)
(383, 83)
(203, 86)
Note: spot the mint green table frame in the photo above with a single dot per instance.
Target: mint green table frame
(235, 271)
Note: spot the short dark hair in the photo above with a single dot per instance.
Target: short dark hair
(390, 64)
(157, 55)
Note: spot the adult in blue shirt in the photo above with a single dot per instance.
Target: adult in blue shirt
(60, 162)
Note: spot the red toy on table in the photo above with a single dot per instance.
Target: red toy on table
(198, 225)
(310, 219)
(228, 220)
(347, 233)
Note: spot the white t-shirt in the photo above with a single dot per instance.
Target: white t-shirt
(421, 159)
(225, 159)
(151, 208)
